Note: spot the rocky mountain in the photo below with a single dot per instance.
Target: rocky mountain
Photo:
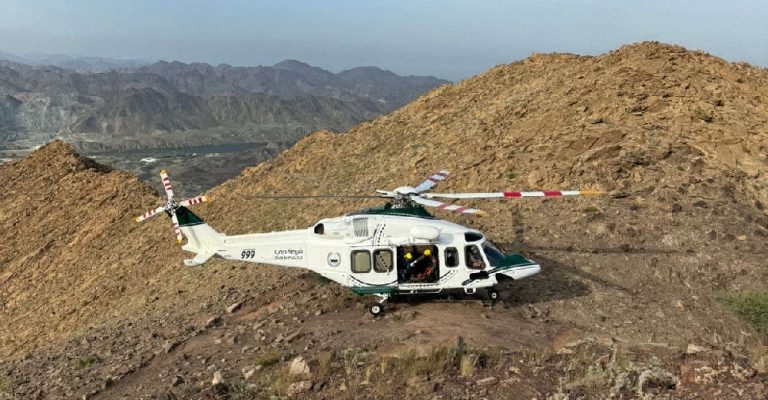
(635, 299)
(74, 63)
(176, 104)
(292, 78)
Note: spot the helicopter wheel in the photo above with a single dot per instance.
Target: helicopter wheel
(493, 294)
(376, 309)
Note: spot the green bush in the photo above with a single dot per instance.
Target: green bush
(88, 361)
(751, 307)
(269, 359)
(5, 386)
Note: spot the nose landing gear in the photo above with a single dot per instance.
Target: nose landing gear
(493, 295)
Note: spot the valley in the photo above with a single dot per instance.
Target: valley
(184, 114)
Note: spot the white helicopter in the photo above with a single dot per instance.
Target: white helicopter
(395, 249)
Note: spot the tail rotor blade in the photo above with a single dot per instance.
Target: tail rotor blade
(448, 207)
(496, 195)
(149, 214)
(176, 229)
(166, 184)
(194, 200)
(431, 181)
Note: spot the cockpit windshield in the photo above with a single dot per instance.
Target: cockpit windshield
(494, 255)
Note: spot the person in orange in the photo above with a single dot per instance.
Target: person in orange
(426, 263)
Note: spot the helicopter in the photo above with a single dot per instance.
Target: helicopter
(398, 248)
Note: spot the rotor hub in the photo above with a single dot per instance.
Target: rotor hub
(171, 205)
(402, 196)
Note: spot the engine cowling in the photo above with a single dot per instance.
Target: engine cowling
(424, 232)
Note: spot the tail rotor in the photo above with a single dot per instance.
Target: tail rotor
(171, 206)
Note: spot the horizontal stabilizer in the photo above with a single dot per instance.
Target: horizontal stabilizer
(199, 259)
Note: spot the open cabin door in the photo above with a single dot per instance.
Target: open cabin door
(418, 264)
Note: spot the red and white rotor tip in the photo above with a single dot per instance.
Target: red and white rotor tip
(171, 206)
(420, 195)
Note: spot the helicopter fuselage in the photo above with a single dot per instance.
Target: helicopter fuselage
(381, 251)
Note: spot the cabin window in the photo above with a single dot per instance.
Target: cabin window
(473, 236)
(361, 261)
(320, 229)
(383, 260)
(473, 257)
(451, 257)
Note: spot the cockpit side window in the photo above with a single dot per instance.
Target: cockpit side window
(473, 257)
(473, 237)
(451, 257)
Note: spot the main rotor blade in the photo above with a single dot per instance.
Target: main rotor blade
(431, 181)
(149, 214)
(448, 207)
(194, 200)
(166, 184)
(176, 229)
(493, 195)
(329, 196)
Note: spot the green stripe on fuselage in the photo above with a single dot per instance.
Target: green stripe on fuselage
(513, 260)
(363, 290)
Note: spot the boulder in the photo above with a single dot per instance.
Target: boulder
(299, 366)
(218, 384)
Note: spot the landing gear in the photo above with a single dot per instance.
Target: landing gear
(377, 309)
(493, 294)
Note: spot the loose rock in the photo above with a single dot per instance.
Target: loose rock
(234, 307)
(299, 366)
(487, 381)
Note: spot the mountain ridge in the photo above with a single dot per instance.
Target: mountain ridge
(173, 102)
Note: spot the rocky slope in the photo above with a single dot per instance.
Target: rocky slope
(628, 305)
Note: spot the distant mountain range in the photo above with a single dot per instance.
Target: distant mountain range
(173, 104)
(74, 63)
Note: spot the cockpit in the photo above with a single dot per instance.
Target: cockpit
(495, 256)
(477, 246)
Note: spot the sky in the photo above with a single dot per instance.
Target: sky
(447, 38)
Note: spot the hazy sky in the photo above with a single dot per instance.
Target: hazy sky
(449, 39)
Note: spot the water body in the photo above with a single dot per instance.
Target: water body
(191, 151)
(193, 170)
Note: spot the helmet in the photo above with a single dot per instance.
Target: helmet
(408, 256)
(427, 252)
